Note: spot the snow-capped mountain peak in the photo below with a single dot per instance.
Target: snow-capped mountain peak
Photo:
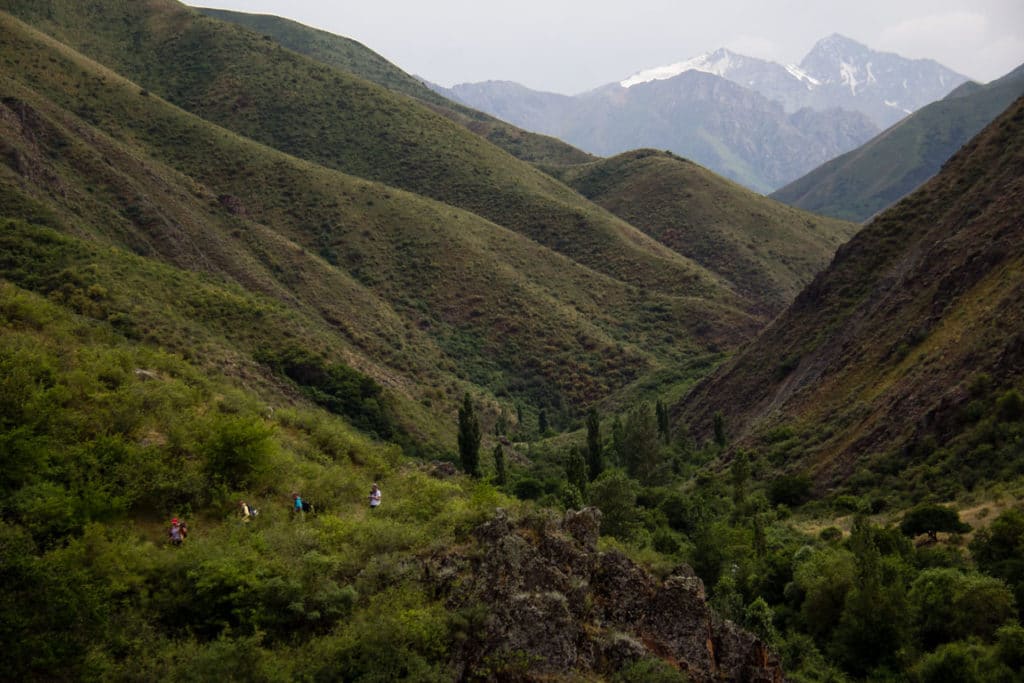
(720, 63)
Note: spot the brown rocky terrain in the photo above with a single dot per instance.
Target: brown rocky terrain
(547, 602)
(917, 316)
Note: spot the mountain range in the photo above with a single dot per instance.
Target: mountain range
(754, 121)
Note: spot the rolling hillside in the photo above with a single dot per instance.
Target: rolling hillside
(899, 364)
(765, 250)
(257, 89)
(412, 291)
(557, 301)
(860, 183)
(349, 55)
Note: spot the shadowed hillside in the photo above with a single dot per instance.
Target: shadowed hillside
(903, 357)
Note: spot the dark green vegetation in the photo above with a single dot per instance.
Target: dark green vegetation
(103, 439)
(897, 597)
(859, 184)
(195, 313)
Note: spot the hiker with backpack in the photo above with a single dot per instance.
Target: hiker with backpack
(248, 512)
(178, 532)
(374, 497)
(301, 505)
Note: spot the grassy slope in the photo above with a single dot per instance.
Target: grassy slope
(109, 438)
(768, 251)
(883, 351)
(351, 56)
(414, 292)
(234, 77)
(858, 184)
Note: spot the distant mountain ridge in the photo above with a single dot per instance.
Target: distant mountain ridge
(862, 182)
(721, 125)
(775, 121)
(837, 72)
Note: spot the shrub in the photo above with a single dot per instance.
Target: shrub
(791, 490)
(235, 448)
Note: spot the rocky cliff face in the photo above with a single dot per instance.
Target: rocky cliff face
(547, 603)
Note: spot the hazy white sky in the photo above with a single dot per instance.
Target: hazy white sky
(571, 46)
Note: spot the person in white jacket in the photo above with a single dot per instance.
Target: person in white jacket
(374, 496)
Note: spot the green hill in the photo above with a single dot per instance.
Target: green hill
(765, 250)
(859, 184)
(412, 291)
(352, 56)
(898, 368)
(255, 88)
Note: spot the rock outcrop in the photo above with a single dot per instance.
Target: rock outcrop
(548, 603)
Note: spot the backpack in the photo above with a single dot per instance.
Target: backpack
(306, 506)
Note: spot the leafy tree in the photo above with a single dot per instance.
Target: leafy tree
(874, 620)
(618, 441)
(963, 663)
(1010, 406)
(236, 448)
(931, 519)
(469, 438)
(824, 578)
(594, 449)
(999, 551)
(791, 490)
(948, 605)
(642, 450)
(759, 618)
(739, 472)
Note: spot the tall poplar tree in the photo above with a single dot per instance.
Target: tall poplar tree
(594, 463)
(469, 438)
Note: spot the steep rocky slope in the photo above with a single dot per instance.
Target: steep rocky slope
(901, 344)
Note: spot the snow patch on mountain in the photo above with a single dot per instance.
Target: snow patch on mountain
(801, 75)
(848, 76)
(717, 63)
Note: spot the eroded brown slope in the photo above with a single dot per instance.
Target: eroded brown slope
(881, 351)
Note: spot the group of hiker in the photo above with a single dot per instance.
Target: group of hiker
(179, 530)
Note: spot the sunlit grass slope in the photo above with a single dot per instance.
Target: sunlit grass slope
(105, 439)
(766, 250)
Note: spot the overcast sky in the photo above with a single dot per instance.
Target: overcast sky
(570, 46)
